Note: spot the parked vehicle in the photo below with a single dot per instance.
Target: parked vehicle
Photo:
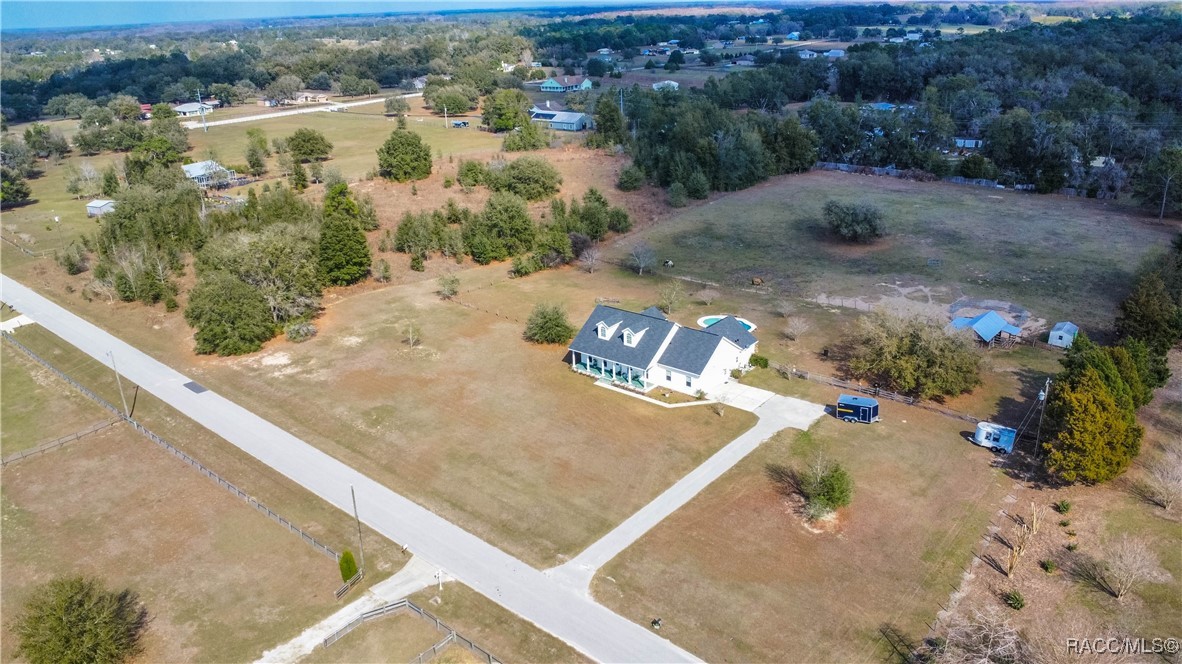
(996, 437)
(857, 409)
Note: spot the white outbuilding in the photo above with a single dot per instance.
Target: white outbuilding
(1063, 334)
(99, 207)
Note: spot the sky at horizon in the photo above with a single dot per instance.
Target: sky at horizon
(72, 14)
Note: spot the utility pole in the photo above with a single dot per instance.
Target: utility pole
(1042, 396)
(445, 117)
(201, 110)
(126, 410)
(360, 544)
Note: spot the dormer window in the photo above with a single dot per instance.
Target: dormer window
(629, 339)
(603, 330)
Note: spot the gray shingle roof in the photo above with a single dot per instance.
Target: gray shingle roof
(690, 350)
(613, 349)
(731, 328)
(655, 313)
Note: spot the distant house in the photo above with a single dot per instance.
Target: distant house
(896, 40)
(914, 36)
(989, 327)
(209, 174)
(567, 84)
(145, 111)
(604, 51)
(419, 83)
(193, 108)
(807, 54)
(793, 36)
(968, 143)
(1062, 334)
(666, 85)
(99, 207)
(744, 61)
(835, 53)
(310, 97)
(690, 51)
(882, 106)
(642, 351)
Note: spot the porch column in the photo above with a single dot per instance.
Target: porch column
(572, 359)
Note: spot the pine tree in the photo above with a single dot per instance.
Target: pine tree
(299, 177)
(404, 157)
(1096, 440)
(110, 181)
(344, 253)
(1149, 314)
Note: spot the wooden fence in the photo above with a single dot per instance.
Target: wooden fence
(340, 592)
(120, 415)
(793, 372)
(56, 443)
(451, 636)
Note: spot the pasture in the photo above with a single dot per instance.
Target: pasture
(1060, 258)
(738, 575)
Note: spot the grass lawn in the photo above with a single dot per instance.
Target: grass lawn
(397, 638)
(221, 582)
(477, 618)
(1062, 259)
(37, 406)
(737, 576)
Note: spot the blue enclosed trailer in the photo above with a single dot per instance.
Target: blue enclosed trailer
(857, 409)
(996, 437)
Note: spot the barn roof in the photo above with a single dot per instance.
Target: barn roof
(987, 325)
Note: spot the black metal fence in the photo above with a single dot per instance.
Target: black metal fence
(308, 539)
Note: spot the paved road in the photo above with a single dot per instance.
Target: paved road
(775, 413)
(196, 124)
(556, 608)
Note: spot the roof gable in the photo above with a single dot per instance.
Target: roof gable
(987, 325)
(613, 349)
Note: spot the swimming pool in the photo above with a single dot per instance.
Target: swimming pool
(707, 321)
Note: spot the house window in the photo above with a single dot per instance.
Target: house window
(602, 330)
(668, 376)
(689, 382)
(629, 338)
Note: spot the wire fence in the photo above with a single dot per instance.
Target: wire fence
(793, 372)
(403, 605)
(58, 442)
(201, 468)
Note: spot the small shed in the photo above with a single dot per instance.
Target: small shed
(1063, 334)
(99, 207)
(995, 437)
(666, 85)
(989, 327)
(857, 409)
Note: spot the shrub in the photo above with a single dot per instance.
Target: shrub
(472, 173)
(1064, 523)
(631, 179)
(417, 264)
(1072, 546)
(678, 197)
(759, 361)
(76, 621)
(548, 325)
(382, 272)
(1063, 506)
(448, 182)
(1014, 600)
(299, 331)
(1049, 566)
(449, 286)
(826, 486)
(854, 222)
(348, 565)
(531, 178)
(72, 259)
(736, 374)
(618, 220)
(523, 266)
(231, 317)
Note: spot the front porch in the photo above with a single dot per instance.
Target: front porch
(616, 374)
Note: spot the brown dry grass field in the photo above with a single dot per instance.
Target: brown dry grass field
(326, 523)
(221, 581)
(737, 576)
